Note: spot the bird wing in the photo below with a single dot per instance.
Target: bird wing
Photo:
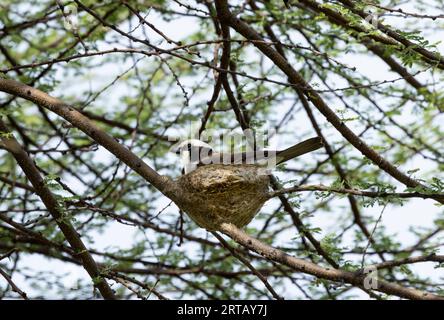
(299, 149)
(261, 156)
(248, 157)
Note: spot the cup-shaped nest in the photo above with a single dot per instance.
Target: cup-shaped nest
(216, 193)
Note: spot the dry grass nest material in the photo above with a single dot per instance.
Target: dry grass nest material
(215, 193)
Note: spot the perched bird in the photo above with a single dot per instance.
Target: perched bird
(194, 153)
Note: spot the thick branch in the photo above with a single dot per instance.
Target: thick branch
(363, 193)
(70, 114)
(55, 209)
(356, 279)
(296, 79)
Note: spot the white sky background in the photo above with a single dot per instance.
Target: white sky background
(397, 220)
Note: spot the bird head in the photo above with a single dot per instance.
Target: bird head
(191, 151)
(191, 145)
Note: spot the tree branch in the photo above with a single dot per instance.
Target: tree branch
(55, 209)
(370, 194)
(296, 79)
(70, 114)
(337, 275)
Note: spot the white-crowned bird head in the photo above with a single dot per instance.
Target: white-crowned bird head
(191, 152)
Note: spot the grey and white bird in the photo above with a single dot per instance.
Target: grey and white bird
(194, 153)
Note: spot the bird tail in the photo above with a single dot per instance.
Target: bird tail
(299, 149)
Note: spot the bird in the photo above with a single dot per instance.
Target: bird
(194, 153)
